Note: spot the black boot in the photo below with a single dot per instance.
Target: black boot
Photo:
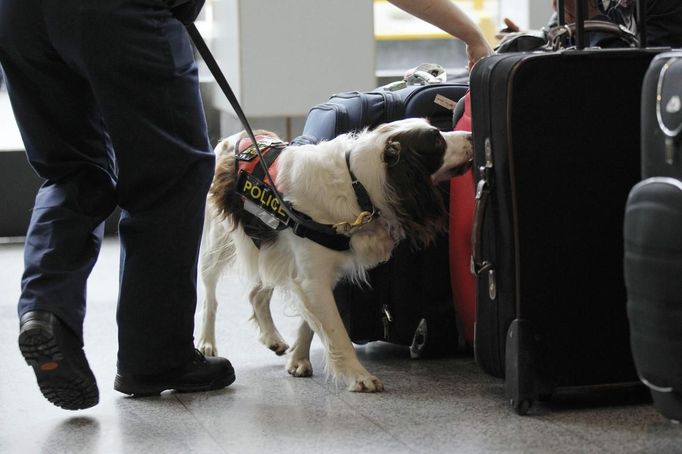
(58, 360)
(200, 374)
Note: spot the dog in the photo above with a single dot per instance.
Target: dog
(398, 166)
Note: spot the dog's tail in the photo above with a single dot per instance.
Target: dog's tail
(222, 196)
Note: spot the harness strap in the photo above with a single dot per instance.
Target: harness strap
(269, 157)
(361, 194)
(323, 234)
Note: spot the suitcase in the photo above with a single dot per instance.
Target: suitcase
(408, 300)
(653, 240)
(461, 217)
(556, 150)
(653, 266)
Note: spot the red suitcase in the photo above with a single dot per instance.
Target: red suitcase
(461, 216)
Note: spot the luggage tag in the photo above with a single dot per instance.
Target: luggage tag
(445, 102)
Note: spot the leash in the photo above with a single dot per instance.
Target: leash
(302, 225)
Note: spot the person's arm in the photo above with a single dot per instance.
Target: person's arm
(447, 16)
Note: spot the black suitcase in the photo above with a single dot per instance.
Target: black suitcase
(653, 239)
(556, 148)
(408, 300)
(653, 267)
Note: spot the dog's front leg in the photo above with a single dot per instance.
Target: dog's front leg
(207, 341)
(213, 259)
(269, 335)
(298, 363)
(319, 310)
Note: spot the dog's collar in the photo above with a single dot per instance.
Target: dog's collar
(368, 211)
(337, 236)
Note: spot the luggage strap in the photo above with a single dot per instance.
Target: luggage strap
(332, 236)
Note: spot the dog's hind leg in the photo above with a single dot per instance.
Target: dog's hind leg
(269, 335)
(319, 310)
(298, 363)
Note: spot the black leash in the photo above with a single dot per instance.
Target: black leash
(303, 226)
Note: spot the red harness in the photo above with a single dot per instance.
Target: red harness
(249, 162)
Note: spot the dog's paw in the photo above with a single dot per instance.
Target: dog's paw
(207, 348)
(300, 368)
(369, 384)
(279, 348)
(274, 343)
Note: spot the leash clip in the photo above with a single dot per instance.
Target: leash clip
(346, 227)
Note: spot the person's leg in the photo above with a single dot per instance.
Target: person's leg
(140, 65)
(66, 144)
(68, 147)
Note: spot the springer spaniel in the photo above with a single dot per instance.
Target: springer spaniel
(396, 166)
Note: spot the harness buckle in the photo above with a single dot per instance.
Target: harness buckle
(346, 227)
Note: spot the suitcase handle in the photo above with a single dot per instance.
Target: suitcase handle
(580, 16)
(478, 265)
(558, 34)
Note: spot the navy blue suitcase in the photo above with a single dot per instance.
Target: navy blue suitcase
(409, 299)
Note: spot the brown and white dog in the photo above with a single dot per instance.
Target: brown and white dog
(397, 163)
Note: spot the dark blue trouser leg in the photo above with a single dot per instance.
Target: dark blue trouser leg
(86, 78)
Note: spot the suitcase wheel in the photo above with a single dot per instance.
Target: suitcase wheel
(521, 407)
(520, 382)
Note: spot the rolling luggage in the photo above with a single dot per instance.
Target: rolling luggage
(653, 239)
(408, 300)
(653, 266)
(461, 216)
(556, 150)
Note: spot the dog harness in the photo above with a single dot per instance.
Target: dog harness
(254, 188)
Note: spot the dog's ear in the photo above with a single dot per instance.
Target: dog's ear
(391, 154)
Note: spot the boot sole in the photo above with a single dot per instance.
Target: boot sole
(62, 382)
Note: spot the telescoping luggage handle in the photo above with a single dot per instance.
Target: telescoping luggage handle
(557, 35)
(582, 25)
(479, 265)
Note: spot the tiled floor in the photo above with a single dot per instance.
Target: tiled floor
(445, 405)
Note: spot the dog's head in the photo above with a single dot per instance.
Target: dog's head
(416, 156)
(221, 195)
